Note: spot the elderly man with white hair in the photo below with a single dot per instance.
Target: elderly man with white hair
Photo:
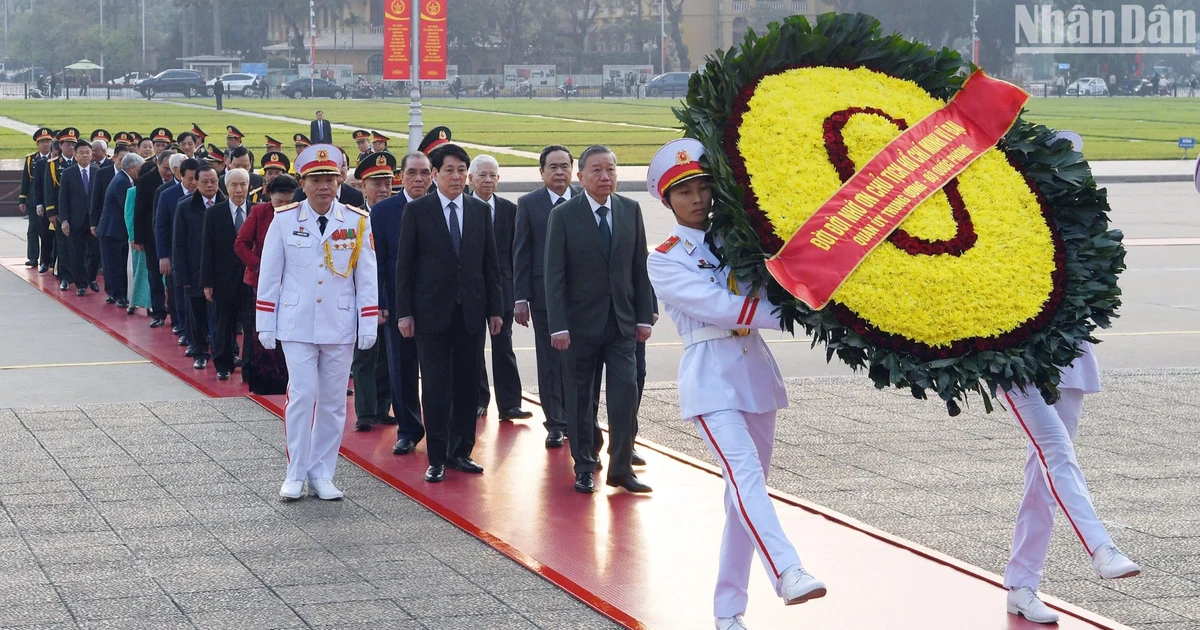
(484, 175)
(112, 232)
(222, 272)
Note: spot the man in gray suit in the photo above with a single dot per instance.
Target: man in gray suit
(599, 305)
(529, 256)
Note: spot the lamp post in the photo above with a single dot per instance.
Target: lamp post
(414, 105)
(974, 32)
(101, 41)
(662, 25)
(143, 35)
(312, 32)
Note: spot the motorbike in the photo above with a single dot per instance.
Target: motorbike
(457, 90)
(486, 91)
(524, 89)
(383, 90)
(611, 88)
(568, 90)
(361, 91)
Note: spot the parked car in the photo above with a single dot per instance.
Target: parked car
(129, 79)
(1088, 86)
(186, 82)
(300, 88)
(671, 83)
(235, 82)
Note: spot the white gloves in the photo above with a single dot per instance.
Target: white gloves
(365, 342)
(267, 340)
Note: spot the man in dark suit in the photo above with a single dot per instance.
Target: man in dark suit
(165, 212)
(68, 140)
(319, 131)
(219, 93)
(74, 203)
(529, 256)
(221, 271)
(447, 295)
(483, 176)
(104, 177)
(403, 366)
(143, 231)
(599, 303)
(114, 238)
(187, 252)
(241, 157)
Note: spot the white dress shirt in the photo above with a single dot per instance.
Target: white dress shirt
(554, 197)
(233, 210)
(458, 204)
(490, 201)
(596, 215)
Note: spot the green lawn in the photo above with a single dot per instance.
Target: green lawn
(1116, 128)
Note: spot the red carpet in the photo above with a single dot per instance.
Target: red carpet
(645, 562)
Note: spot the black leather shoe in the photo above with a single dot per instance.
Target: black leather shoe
(122, 303)
(637, 460)
(467, 465)
(435, 473)
(64, 285)
(191, 352)
(239, 362)
(43, 268)
(585, 482)
(387, 421)
(31, 263)
(404, 446)
(222, 375)
(81, 292)
(129, 310)
(200, 364)
(364, 424)
(94, 286)
(629, 482)
(181, 342)
(158, 322)
(554, 439)
(481, 412)
(349, 392)
(109, 299)
(516, 413)
(177, 330)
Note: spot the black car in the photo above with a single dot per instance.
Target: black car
(185, 82)
(670, 83)
(301, 88)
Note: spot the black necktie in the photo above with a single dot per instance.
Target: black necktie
(711, 242)
(605, 230)
(323, 220)
(455, 232)
(558, 201)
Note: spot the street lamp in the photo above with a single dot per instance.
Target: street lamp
(974, 32)
(662, 25)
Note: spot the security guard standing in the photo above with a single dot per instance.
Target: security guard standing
(317, 294)
(372, 389)
(44, 137)
(729, 384)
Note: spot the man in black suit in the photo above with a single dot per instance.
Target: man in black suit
(319, 131)
(143, 231)
(74, 203)
(403, 366)
(529, 256)
(221, 271)
(104, 177)
(187, 254)
(483, 176)
(447, 295)
(599, 302)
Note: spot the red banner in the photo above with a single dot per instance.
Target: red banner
(823, 253)
(397, 26)
(433, 40)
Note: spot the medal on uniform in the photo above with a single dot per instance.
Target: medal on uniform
(356, 246)
(704, 264)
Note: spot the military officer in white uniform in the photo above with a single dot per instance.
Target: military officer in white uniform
(1053, 481)
(729, 384)
(317, 295)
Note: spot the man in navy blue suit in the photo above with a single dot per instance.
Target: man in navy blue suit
(73, 207)
(417, 174)
(114, 238)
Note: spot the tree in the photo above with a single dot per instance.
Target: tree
(674, 16)
(581, 17)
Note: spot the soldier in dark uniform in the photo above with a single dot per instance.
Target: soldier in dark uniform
(61, 261)
(432, 140)
(379, 143)
(274, 164)
(162, 139)
(233, 137)
(302, 142)
(362, 138)
(272, 144)
(26, 200)
(216, 157)
(200, 135)
(101, 134)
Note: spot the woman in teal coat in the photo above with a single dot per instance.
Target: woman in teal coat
(139, 284)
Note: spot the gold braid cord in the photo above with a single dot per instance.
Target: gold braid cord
(362, 222)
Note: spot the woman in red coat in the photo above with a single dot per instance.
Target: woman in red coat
(267, 372)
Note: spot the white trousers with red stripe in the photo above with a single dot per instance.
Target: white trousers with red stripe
(315, 416)
(1053, 481)
(742, 444)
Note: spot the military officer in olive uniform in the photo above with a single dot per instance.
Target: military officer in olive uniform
(27, 199)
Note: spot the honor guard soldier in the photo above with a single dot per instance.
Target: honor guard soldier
(317, 295)
(233, 137)
(434, 139)
(274, 164)
(379, 142)
(28, 199)
(729, 384)
(101, 134)
(272, 144)
(199, 134)
(122, 138)
(362, 138)
(302, 142)
(216, 157)
(162, 139)
(68, 139)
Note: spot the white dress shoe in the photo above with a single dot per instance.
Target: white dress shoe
(731, 623)
(1024, 602)
(1111, 564)
(324, 489)
(798, 586)
(291, 490)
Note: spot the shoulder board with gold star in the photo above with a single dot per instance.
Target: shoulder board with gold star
(667, 245)
(357, 209)
(290, 206)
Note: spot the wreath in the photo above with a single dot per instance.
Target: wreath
(993, 282)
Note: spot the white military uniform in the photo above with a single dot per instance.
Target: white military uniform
(730, 386)
(1052, 476)
(316, 300)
